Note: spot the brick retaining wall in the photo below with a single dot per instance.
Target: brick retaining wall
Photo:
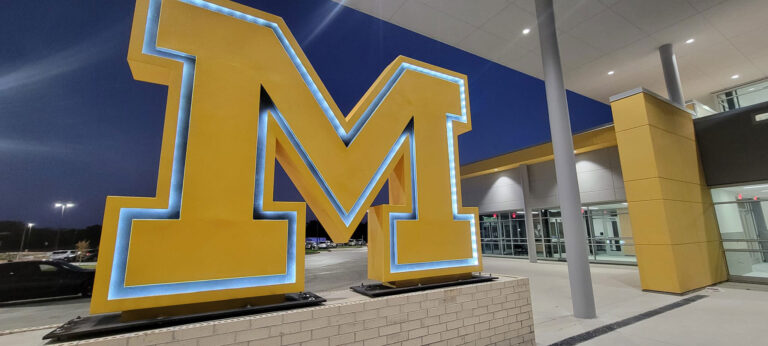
(497, 312)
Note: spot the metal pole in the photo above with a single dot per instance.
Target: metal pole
(58, 232)
(671, 75)
(565, 165)
(21, 246)
(528, 214)
(30, 234)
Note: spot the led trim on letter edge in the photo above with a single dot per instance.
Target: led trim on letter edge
(117, 288)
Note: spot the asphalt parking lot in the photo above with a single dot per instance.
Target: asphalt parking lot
(325, 271)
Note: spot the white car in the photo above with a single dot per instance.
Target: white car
(322, 245)
(63, 255)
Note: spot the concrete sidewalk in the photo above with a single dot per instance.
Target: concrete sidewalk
(731, 314)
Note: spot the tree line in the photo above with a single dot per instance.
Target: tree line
(44, 238)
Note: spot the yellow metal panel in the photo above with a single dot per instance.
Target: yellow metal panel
(715, 260)
(643, 109)
(699, 264)
(685, 221)
(675, 156)
(657, 266)
(680, 268)
(711, 230)
(629, 113)
(636, 152)
(667, 117)
(662, 188)
(582, 143)
(649, 222)
(673, 223)
(668, 222)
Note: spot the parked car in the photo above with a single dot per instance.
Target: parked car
(332, 245)
(42, 279)
(90, 255)
(63, 255)
(322, 245)
(310, 245)
(352, 242)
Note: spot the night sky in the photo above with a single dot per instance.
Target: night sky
(75, 126)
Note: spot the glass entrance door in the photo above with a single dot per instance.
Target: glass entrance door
(605, 228)
(503, 233)
(742, 217)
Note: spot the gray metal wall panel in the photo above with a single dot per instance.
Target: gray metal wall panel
(733, 147)
(599, 174)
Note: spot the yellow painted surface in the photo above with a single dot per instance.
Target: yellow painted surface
(636, 143)
(680, 268)
(663, 188)
(676, 156)
(649, 110)
(673, 223)
(684, 219)
(625, 231)
(216, 236)
(582, 142)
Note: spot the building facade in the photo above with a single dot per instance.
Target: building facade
(648, 198)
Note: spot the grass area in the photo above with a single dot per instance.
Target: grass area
(9, 256)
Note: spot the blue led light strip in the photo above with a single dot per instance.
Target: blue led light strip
(117, 287)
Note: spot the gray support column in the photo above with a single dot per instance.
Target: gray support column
(671, 75)
(530, 240)
(565, 166)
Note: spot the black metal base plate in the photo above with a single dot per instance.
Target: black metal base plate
(380, 290)
(109, 324)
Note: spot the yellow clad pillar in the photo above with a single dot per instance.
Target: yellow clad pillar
(673, 220)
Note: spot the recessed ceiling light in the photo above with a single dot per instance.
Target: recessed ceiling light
(610, 73)
(735, 76)
(690, 40)
(526, 31)
(750, 89)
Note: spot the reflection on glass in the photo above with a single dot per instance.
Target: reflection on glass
(504, 234)
(742, 217)
(609, 233)
(743, 96)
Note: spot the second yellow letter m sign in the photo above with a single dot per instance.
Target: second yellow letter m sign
(241, 94)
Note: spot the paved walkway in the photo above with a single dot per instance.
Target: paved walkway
(731, 314)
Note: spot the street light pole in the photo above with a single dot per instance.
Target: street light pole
(23, 233)
(63, 206)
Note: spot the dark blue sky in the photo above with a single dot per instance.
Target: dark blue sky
(75, 126)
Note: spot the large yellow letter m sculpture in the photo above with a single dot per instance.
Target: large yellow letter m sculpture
(241, 95)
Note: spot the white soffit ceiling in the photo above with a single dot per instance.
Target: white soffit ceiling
(597, 36)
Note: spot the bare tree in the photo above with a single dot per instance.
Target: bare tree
(82, 249)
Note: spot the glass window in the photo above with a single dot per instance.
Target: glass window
(47, 268)
(742, 217)
(609, 233)
(503, 233)
(743, 96)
